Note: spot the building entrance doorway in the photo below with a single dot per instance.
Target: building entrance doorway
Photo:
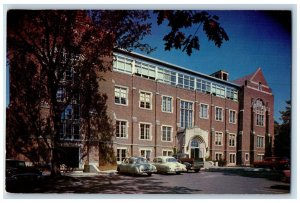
(197, 148)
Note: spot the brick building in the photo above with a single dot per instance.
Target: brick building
(159, 108)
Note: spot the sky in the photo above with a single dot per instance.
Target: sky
(256, 39)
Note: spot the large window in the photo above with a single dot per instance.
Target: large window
(121, 95)
(122, 64)
(231, 140)
(186, 81)
(145, 70)
(167, 104)
(204, 111)
(260, 141)
(70, 124)
(121, 154)
(231, 94)
(232, 116)
(145, 100)
(203, 86)
(121, 129)
(166, 76)
(166, 133)
(259, 108)
(218, 90)
(186, 114)
(145, 133)
(219, 114)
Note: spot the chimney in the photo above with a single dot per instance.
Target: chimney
(221, 74)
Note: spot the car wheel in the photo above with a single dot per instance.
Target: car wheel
(149, 174)
(197, 170)
(177, 172)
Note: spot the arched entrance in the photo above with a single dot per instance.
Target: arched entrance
(197, 148)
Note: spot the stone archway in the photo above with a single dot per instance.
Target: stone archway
(197, 147)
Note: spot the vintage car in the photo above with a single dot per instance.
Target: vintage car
(194, 164)
(136, 166)
(168, 164)
(278, 163)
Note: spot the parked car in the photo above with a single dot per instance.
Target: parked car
(19, 177)
(194, 164)
(278, 163)
(168, 164)
(136, 166)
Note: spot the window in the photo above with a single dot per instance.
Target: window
(203, 86)
(145, 100)
(145, 131)
(260, 141)
(122, 64)
(231, 94)
(218, 138)
(186, 114)
(204, 111)
(121, 129)
(259, 86)
(218, 156)
(167, 104)
(232, 158)
(232, 116)
(231, 140)
(259, 119)
(166, 133)
(259, 108)
(166, 76)
(186, 81)
(145, 70)
(121, 95)
(247, 157)
(146, 153)
(219, 114)
(218, 90)
(60, 94)
(260, 157)
(121, 154)
(167, 152)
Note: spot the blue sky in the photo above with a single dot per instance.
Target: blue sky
(255, 40)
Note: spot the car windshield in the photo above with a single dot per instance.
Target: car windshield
(171, 160)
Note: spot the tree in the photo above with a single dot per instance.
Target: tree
(45, 47)
(282, 141)
(55, 57)
(180, 19)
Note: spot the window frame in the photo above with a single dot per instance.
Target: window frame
(126, 129)
(126, 96)
(171, 133)
(170, 110)
(207, 111)
(140, 131)
(217, 135)
(235, 117)
(216, 113)
(150, 100)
